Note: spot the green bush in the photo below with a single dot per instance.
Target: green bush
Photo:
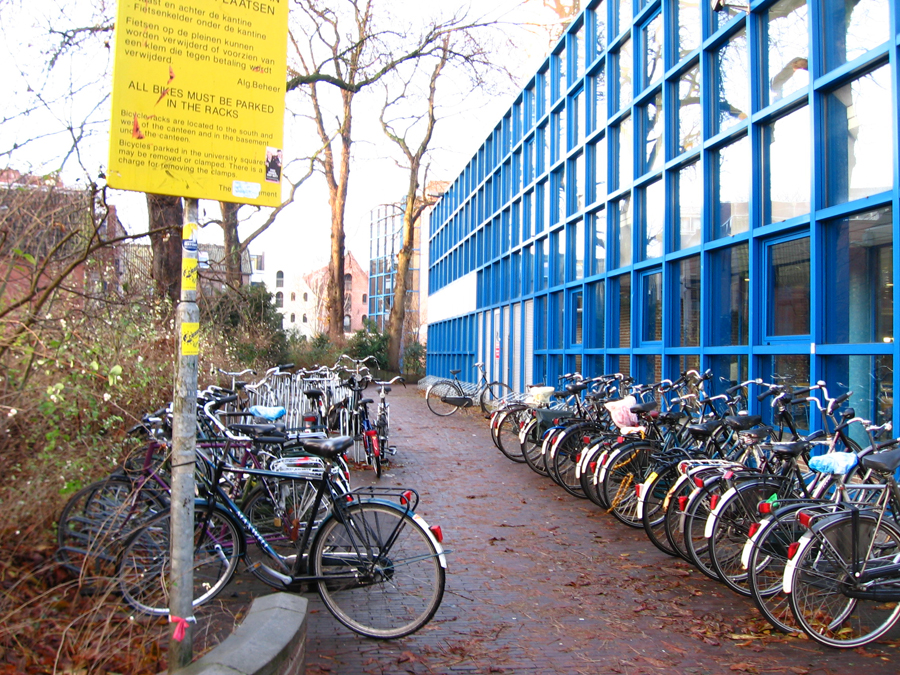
(414, 358)
(369, 342)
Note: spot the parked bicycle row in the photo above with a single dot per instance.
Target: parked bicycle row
(276, 497)
(806, 524)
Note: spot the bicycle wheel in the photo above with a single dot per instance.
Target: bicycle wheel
(144, 566)
(281, 518)
(653, 513)
(436, 393)
(822, 583)
(495, 394)
(730, 531)
(674, 520)
(695, 515)
(507, 434)
(627, 468)
(383, 575)
(530, 442)
(565, 460)
(765, 568)
(96, 521)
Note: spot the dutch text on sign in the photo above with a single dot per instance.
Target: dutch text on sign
(198, 99)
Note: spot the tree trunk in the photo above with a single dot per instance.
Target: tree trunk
(337, 198)
(397, 318)
(166, 221)
(232, 262)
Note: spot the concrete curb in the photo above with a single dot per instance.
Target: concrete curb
(270, 641)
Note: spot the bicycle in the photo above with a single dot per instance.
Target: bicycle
(445, 397)
(377, 565)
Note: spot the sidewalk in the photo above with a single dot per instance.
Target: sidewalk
(541, 582)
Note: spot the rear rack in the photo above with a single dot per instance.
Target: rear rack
(405, 497)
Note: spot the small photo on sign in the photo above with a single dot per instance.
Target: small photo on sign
(273, 165)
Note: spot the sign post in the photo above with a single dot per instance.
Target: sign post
(197, 112)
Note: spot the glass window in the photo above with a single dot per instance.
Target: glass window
(527, 215)
(726, 12)
(576, 137)
(653, 44)
(688, 270)
(599, 108)
(623, 339)
(600, 169)
(578, 55)
(624, 15)
(576, 184)
(690, 114)
(576, 255)
(559, 207)
(625, 155)
(279, 279)
(870, 379)
(729, 370)
(654, 150)
(279, 299)
(624, 66)
(597, 232)
(859, 292)
(788, 287)
(791, 370)
(853, 28)
(688, 27)
(733, 182)
(576, 309)
(651, 307)
(648, 368)
(788, 166)
(555, 329)
(729, 291)
(559, 135)
(732, 82)
(559, 256)
(787, 33)
(540, 323)
(541, 220)
(545, 91)
(600, 27)
(562, 82)
(542, 263)
(596, 330)
(689, 230)
(858, 129)
(623, 231)
(527, 270)
(654, 218)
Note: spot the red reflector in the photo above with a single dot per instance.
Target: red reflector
(754, 528)
(682, 467)
(682, 502)
(637, 490)
(728, 475)
(620, 439)
(349, 498)
(371, 432)
(309, 418)
(593, 466)
(792, 550)
(406, 497)
(438, 534)
(804, 518)
(713, 501)
(698, 481)
(765, 508)
(585, 439)
(578, 458)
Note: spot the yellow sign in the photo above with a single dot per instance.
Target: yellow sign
(190, 339)
(198, 99)
(189, 274)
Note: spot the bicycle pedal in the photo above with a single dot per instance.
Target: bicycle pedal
(392, 450)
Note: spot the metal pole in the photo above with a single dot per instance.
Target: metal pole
(184, 442)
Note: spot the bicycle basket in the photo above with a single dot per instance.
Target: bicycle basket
(547, 416)
(310, 468)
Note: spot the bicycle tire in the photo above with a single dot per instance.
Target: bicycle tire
(730, 531)
(530, 439)
(96, 521)
(564, 463)
(653, 513)
(820, 576)
(627, 468)
(493, 395)
(142, 573)
(387, 576)
(438, 391)
(674, 521)
(765, 569)
(507, 434)
(281, 526)
(695, 542)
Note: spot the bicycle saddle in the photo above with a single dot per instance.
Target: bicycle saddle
(327, 447)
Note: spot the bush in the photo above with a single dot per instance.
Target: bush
(369, 342)
(414, 358)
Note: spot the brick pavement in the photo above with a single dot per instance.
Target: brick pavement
(541, 582)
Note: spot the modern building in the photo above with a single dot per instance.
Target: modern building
(685, 185)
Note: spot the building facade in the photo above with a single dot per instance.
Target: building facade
(685, 185)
